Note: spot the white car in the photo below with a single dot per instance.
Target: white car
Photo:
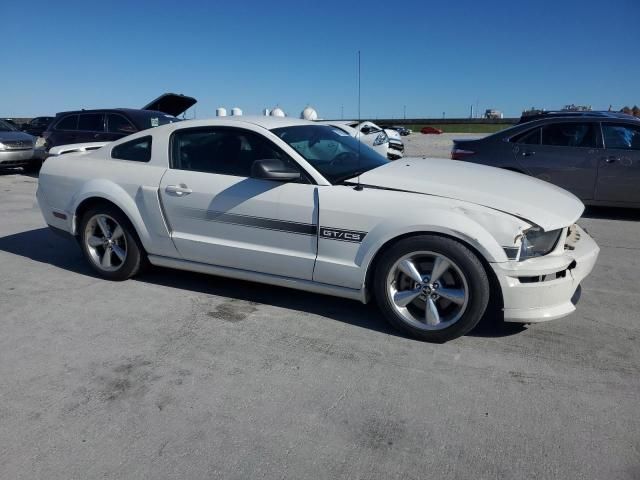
(378, 141)
(291, 203)
(396, 145)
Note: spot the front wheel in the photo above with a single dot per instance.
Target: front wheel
(432, 288)
(110, 243)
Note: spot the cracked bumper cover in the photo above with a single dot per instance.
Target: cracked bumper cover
(547, 299)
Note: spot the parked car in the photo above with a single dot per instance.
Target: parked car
(297, 204)
(574, 114)
(16, 148)
(403, 131)
(106, 125)
(37, 126)
(378, 141)
(595, 157)
(396, 145)
(15, 124)
(431, 130)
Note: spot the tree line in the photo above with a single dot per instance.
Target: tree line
(635, 111)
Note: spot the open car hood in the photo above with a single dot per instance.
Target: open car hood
(531, 199)
(171, 103)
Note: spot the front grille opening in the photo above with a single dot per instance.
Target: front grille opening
(544, 278)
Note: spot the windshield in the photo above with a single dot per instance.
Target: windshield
(6, 127)
(334, 153)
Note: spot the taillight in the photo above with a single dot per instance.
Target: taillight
(460, 154)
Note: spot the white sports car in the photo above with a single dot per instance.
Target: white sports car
(297, 204)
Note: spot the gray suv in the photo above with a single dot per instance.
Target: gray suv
(597, 158)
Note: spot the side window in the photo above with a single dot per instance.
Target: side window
(138, 150)
(70, 122)
(623, 137)
(225, 151)
(119, 124)
(532, 137)
(92, 122)
(570, 135)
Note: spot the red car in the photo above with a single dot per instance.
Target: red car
(433, 130)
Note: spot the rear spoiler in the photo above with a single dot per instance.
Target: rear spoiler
(76, 148)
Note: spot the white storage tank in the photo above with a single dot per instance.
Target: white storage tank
(266, 112)
(309, 113)
(221, 112)
(236, 112)
(277, 112)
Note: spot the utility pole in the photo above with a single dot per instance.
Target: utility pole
(405, 111)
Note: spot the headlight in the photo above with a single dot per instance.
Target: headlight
(40, 142)
(2, 147)
(380, 139)
(536, 242)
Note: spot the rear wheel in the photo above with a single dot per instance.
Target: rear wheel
(432, 288)
(110, 243)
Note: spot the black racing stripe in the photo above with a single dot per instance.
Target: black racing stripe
(250, 221)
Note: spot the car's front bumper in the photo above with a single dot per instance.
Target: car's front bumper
(15, 158)
(546, 288)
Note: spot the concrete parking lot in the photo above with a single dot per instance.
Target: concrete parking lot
(185, 376)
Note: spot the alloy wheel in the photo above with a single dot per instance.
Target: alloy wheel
(428, 290)
(105, 242)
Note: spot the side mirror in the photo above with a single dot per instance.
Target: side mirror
(273, 169)
(366, 130)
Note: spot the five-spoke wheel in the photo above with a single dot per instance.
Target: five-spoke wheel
(110, 243)
(431, 287)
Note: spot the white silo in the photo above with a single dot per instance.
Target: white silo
(309, 113)
(221, 112)
(277, 112)
(236, 112)
(266, 112)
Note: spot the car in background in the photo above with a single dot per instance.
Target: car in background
(403, 131)
(37, 126)
(573, 114)
(430, 130)
(16, 148)
(106, 125)
(595, 157)
(396, 145)
(12, 122)
(378, 142)
(293, 203)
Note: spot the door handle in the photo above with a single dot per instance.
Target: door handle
(528, 154)
(178, 190)
(611, 159)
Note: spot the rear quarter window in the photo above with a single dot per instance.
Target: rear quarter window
(138, 150)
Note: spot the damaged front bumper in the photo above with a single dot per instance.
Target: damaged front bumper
(546, 288)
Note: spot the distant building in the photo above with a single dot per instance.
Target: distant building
(491, 113)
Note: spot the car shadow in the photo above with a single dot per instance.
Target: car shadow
(42, 245)
(612, 213)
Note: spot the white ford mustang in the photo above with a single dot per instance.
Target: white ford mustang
(278, 201)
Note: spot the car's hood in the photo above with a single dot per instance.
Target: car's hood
(171, 104)
(15, 136)
(392, 134)
(534, 200)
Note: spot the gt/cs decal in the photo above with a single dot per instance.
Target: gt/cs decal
(342, 235)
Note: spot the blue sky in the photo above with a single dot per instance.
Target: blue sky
(432, 56)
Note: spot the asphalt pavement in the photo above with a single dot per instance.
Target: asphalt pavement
(175, 375)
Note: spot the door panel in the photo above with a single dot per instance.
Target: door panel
(245, 223)
(564, 154)
(619, 165)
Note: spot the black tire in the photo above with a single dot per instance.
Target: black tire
(474, 280)
(135, 257)
(33, 167)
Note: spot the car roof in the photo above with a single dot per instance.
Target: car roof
(131, 111)
(569, 114)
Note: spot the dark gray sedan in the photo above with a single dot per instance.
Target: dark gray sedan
(597, 158)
